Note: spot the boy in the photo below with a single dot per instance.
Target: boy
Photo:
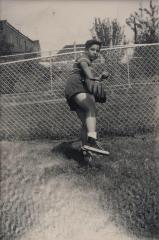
(82, 92)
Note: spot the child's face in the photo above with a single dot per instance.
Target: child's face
(93, 52)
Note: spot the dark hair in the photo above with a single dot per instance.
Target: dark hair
(91, 42)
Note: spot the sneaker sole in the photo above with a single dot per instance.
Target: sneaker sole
(95, 150)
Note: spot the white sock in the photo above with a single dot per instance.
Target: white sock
(92, 135)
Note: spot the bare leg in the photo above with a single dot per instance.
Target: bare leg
(87, 114)
(81, 116)
(86, 103)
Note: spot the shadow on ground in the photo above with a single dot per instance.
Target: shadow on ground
(129, 180)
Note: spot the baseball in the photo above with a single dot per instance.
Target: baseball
(104, 74)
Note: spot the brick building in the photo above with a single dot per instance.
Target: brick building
(12, 41)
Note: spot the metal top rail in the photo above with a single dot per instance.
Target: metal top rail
(74, 52)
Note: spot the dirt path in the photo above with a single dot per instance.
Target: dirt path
(72, 214)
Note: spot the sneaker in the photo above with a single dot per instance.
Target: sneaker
(94, 146)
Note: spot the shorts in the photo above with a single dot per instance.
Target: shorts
(74, 85)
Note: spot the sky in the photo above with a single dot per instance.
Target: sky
(57, 23)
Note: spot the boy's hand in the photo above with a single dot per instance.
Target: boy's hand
(101, 77)
(104, 75)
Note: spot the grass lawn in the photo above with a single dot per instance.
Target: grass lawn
(48, 193)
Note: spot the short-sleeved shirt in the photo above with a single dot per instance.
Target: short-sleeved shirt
(76, 66)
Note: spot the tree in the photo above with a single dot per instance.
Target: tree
(110, 33)
(132, 23)
(145, 24)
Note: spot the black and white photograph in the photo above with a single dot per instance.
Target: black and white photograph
(79, 132)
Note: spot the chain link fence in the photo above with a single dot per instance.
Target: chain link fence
(33, 103)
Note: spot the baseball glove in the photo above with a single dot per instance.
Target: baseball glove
(99, 92)
(96, 88)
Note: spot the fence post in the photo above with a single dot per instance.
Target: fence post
(51, 71)
(128, 68)
(75, 50)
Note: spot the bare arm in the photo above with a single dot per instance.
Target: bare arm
(87, 71)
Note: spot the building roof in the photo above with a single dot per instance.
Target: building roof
(16, 30)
